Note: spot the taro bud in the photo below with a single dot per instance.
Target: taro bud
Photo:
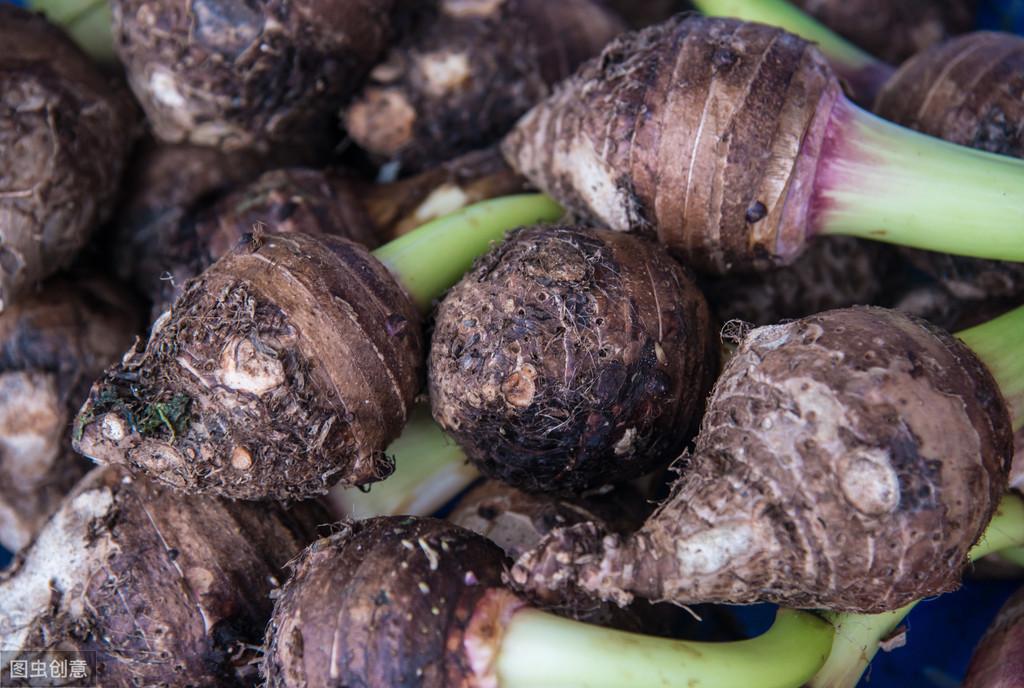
(65, 133)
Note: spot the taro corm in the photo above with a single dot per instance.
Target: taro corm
(759, 153)
(402, 601)
(65, 133)
(250, 75)
(847, 460)
(53, 344)
(964, 91)
(571, 358)
(467, 71)
(516, 521)
(165, 590)
(291, 363)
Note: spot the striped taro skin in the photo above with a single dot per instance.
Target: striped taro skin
(968, 91)
(289, 365)
(703, 131)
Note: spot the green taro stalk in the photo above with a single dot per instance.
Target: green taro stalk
(87, 21)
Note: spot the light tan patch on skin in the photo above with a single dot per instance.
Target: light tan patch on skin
(471, 8)
(519, 388)
(245, 369)
(443, 71)
(241, 458)
(32, 422)
(382, 119)
(869, 482)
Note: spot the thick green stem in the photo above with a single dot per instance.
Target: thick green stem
(1000, 344)
(541, 650)
(430, 470)
(87, 21)
(431, 258)
(862, 72)
(879, 181)
(858, 636)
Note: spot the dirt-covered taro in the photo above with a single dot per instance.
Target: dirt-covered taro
(734, 144)
(164, 591)
(286, 367)
(65, 133)
(404, 601)
(468, 71)
(570, 358)
(237, 74)
(998, 661)
(53, 344)
(848, 460)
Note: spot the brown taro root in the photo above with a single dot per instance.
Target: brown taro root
(350, 615)
(968, 91)
(163, 184)
(314, 202)
(517, 521)
(166, 591)
(469, 70)
(834, 272)
(238, 74)
(734, 144)
(570, 358)
(286, 367)
(894, 29)
(847, 460)
(998, 661)
(65, 133)
(53, 344)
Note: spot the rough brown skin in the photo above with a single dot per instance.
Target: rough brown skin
(237, 74)
(285, 368)
(468, 71)
(399, 207)
(166, 591)
(65, 133)
(968, 91)
(517, 521)
(702, 131)
(834, 272)
(893, 29)
(383, 602)
(998, 661)
(163, 184)
(316, 202)
(571, 358)
(847, 461)
(53, 344)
